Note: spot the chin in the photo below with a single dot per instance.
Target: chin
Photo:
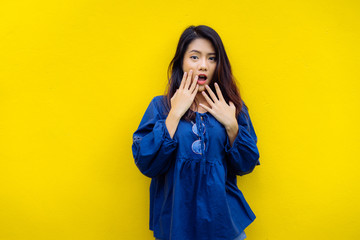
(201, 88)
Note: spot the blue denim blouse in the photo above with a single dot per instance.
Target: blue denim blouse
(193, 190)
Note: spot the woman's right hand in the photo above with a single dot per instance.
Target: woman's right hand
(184, 95)
(181, 102)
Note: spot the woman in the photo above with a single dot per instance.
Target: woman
(193, 141)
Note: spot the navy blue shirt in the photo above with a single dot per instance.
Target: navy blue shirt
(193, 191)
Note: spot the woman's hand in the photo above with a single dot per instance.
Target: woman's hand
(181, 101)
(223, 112)
(184, 95)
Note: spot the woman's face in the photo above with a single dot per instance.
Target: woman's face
(201, 58)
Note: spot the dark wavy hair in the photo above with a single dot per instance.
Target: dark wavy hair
(222, 75)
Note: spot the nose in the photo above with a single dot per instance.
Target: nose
(203, 64)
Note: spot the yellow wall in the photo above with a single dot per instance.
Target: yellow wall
(77, 76)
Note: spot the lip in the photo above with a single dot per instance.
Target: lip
(201, 81)
(202, 75)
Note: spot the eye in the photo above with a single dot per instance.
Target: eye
(193, 56)
(213, 58)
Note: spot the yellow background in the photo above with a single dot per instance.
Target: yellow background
(77, 76)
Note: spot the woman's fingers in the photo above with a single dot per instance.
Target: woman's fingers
(212, 94)
(188, 80)
(182, 84)
(218, 92)
(207, 98)
(206, 108)
(232, 105)
(193, 94)
(194, 83)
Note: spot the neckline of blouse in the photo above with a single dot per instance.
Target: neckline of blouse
(204, 113)
(199, 112)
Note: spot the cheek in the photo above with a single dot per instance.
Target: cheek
(187, 64)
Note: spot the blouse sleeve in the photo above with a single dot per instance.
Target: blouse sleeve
(243, 155)
(152, 147)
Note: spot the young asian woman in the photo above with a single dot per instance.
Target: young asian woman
(193, 142)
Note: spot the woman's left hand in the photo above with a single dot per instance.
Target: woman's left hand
(223, 112)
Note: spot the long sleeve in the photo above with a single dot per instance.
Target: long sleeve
(243, 155)
(153, 148)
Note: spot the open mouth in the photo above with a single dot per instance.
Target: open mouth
(202, 78)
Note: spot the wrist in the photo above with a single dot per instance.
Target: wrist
(232, 126)
(175, 115)
(232, 131)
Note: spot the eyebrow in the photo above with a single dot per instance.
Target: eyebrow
(200, 52)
